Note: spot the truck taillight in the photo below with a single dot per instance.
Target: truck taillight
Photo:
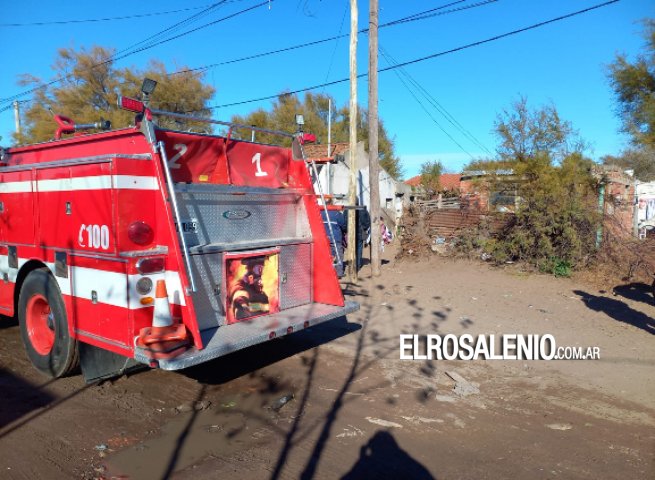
(127, 103)
(140, 233)
(150, 265)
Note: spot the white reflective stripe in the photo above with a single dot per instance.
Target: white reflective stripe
(64, 283)
(12, 273)
(98, 182)
(112, 288)
(132, 182)
(119, 289)
(16, 187)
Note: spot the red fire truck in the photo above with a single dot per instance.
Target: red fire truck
(151, 246)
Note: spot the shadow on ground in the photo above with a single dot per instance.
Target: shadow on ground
(247, 361)
(383, 458)
(637, 292)
(307, 428)
(618, 310)
(20, 397)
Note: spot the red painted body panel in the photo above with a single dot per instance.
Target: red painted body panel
(73, 211)
(326, 288)
(195, 158)
(84, 207)
(256, 165)
(16, 218)
(127, 141)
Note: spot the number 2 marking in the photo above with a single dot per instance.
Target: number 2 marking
(181, 150)
(256, 159)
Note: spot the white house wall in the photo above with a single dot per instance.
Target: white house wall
(646, 204)
(339, 179)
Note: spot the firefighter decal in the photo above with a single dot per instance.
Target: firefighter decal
(252, 285)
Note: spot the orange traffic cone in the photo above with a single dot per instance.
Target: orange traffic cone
(165, 339)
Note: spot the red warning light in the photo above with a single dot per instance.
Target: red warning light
(127, 103)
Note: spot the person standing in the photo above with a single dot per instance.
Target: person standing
(363, 222)
(336, 220)
(385, 234)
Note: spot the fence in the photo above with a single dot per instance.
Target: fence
(449, 203)
(450, 223)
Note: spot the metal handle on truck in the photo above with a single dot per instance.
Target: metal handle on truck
(176, 213)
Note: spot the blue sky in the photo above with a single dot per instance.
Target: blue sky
(563, 63)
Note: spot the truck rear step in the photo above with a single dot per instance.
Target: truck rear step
(230, 338)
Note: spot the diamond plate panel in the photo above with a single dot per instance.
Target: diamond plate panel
(214, 217)
(295, 275)
(208, 271)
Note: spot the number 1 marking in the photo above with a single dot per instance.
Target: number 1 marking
(256, 159)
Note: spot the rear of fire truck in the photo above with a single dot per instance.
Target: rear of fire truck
(215, 243)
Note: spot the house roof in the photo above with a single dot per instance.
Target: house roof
(320, 151)
(448, 181)
(414, 181)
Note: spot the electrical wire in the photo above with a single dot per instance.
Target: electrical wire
(413, 17)
(336, 43)
(131, 51)
(94, 20)
(222, 19)
(151, 42)
(421, 59)
(173, 28)
(112, 57)
(433, 101)
(503, 35)
(423, 107)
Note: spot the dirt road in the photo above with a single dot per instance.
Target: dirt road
(357, 410)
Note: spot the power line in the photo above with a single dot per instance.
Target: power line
(414, 17)
(442, 110)
(183, 34)
(93, 20)
(111, 58)
(418, 100)
(151, 43)
(173, 28)
(435, 104)
(130, 51)
(422, 59)
(336, 43)
(504, 35)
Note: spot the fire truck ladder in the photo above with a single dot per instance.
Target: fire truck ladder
(176, 213)
(337, 258)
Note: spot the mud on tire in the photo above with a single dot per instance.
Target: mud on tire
(44, 326)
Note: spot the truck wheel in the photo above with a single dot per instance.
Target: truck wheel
(44, 326)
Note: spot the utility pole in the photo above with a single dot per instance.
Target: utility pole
(17, 117)
(352, 189)
(373, 157)
(329, 147)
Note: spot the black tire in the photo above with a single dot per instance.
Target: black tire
(51, 350)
